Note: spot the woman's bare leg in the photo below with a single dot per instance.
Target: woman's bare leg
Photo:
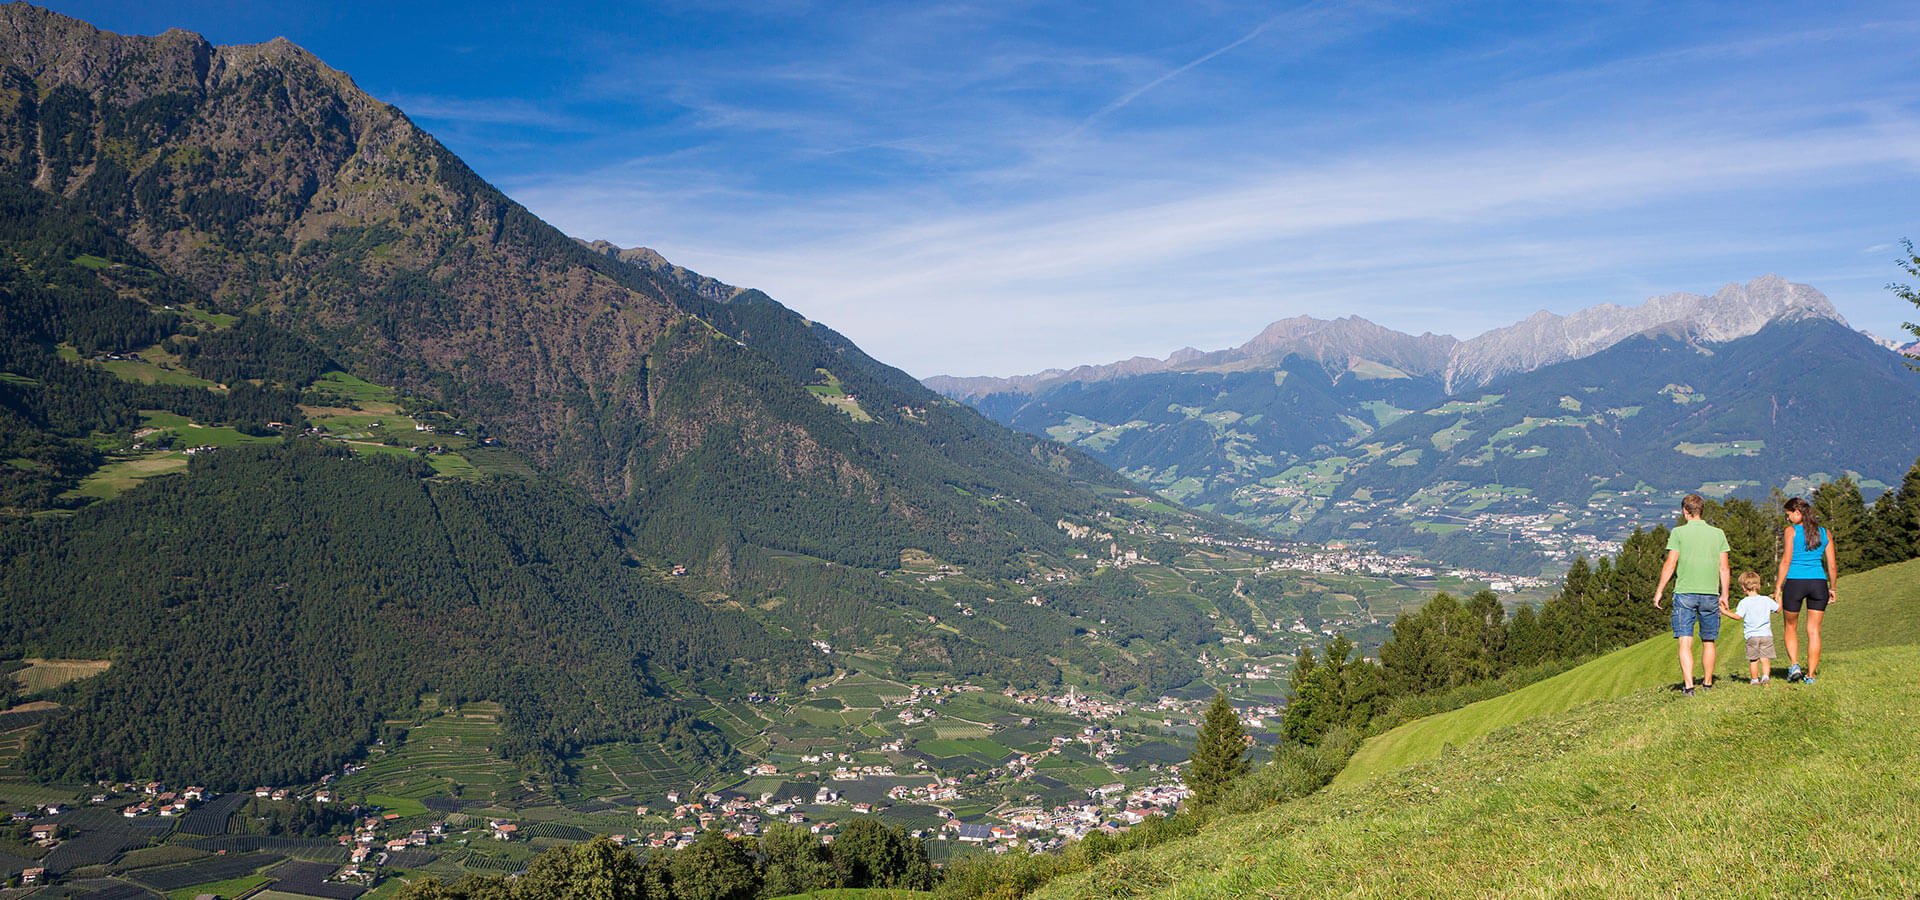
(1813, 640)
(1793, 638)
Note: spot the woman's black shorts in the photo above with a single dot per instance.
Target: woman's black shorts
(1812, 591)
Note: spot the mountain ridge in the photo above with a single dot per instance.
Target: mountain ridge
(1735, 310)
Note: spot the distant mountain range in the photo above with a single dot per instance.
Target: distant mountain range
(1541, 339)
(1331, 429)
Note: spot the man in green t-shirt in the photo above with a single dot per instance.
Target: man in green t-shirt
(1697, 552)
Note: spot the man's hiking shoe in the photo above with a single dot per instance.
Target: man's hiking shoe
(1706, 685)
(1807, 680)
(1793, 672)
(1687, 691)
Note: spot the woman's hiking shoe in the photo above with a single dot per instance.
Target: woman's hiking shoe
(1793, 672)
(1807, 680)
(1687, 691)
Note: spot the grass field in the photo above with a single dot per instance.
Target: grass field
(146, 372)
(859, 894)
(118, 477)
(190, 434)
(367, 396)
(1880, 607)
(1648, 794)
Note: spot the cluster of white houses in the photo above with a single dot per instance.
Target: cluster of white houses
(157, 799)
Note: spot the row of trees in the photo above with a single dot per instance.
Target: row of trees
(785, 860)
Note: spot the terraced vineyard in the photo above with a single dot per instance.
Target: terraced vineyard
(450, 754)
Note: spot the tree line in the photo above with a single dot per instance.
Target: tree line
(784, 860)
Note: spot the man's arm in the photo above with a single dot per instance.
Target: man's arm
(1666, 575)
(1727, 580)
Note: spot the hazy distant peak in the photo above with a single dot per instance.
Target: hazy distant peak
(1541, 339)
(1735, 311)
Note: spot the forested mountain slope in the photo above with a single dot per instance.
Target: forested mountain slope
(271, 184)
(266, 613)
(225, 273)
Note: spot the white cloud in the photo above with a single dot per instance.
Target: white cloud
(932, 285)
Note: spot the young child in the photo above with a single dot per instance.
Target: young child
(1755, 615)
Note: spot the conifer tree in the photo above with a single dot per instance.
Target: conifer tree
(1527, 641)
(1219, 753)
(1303, 709)
(1841, 509)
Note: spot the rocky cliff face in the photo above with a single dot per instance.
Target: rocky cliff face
(272, 182)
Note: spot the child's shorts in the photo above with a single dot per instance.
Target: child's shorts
(1759, 648)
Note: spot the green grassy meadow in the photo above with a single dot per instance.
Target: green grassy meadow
(1887, 601)
(859, 894)
(1620, 788)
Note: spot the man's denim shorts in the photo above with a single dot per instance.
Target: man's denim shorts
(1701, 608)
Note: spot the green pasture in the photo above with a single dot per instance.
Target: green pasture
(1385, 413)
(452, 465)
(828, 389)
(1455, 407)
(860, 894)
(122, 475)
(190, 434)
(1647, 794)
(1881, 607)
(342, 386)
(1721, 449)
(144, 372)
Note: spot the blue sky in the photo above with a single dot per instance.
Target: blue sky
(999, 188)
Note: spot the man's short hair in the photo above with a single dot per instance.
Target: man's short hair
(1750, 582)
(1693, 504)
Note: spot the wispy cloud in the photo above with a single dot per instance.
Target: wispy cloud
(1089, 258)
(500, 111)
(920, 179)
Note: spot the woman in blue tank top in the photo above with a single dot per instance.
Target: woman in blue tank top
(1807, 574)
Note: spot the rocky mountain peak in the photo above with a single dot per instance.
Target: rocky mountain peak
(1542, 339)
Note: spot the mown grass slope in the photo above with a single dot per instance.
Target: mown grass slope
(1876, 608)
(1772, 790)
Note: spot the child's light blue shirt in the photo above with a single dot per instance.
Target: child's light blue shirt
(1756, 615)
